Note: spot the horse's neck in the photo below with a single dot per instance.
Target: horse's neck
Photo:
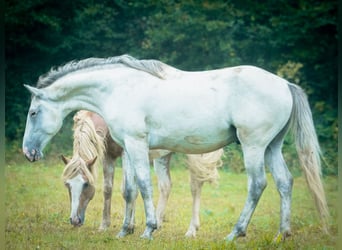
(81, 92)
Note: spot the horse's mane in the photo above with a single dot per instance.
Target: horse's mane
(154, 67)
(87, 145)
(75, 165)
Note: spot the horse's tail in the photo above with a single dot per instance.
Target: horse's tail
(204, 166)
(308, 149)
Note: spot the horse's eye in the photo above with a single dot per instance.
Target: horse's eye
(33, 113)
(85, 185)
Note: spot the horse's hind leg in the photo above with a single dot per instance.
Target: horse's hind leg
(196, 188)
(284, 181)
(162, 169)
(254, 164)
(108, 175)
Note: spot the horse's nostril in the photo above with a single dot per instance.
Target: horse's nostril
(32, 155)
(29, 157)
(76, 221)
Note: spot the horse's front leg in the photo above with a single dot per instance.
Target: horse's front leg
(129, 193)
(108, 175)
(196, 189)
(162, 169)
(137, 152)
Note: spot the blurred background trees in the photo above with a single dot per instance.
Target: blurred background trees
(294, 39)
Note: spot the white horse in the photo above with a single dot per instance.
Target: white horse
(93, 142)
(150, 105)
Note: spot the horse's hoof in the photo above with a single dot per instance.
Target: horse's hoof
(282, 236)
(103, 228)
(121, 234)
(125, 232)
(233, 236)
(147, 234)
(190, 234)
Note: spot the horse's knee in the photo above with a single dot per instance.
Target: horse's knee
(259, 183)
(284, 186)
(195, 186)
(262, 184)
(257, 187)
(129, 194)
(165, 188)
(107, 192)
(145, 189)
(144, 184)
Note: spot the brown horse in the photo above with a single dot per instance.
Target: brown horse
(92, 141)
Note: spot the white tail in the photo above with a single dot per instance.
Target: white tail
(308, 150)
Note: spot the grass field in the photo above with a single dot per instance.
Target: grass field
(37, 212)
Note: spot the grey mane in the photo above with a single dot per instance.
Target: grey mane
(154, 67)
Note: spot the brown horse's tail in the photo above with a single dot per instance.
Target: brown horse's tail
(308, 150)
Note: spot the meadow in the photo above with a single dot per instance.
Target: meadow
(37, 212)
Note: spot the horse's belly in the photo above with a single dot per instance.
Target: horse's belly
(192, 143)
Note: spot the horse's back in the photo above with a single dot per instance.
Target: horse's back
(204, 109)
(247, 93)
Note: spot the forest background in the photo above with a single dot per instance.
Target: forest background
(296, 39)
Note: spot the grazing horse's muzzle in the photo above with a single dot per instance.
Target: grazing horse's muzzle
(32, 155)
(76, 221)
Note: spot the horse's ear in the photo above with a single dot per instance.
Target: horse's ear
(65, 160)
(91, 162)
(34, 91)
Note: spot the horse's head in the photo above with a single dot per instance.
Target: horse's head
(79, 179)
(44, 119)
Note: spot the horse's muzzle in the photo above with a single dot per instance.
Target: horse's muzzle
(32, 155)
(76, 222)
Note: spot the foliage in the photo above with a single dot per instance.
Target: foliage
(37, 210)
(297, 39)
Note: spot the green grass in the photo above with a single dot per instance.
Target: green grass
(37, 211)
